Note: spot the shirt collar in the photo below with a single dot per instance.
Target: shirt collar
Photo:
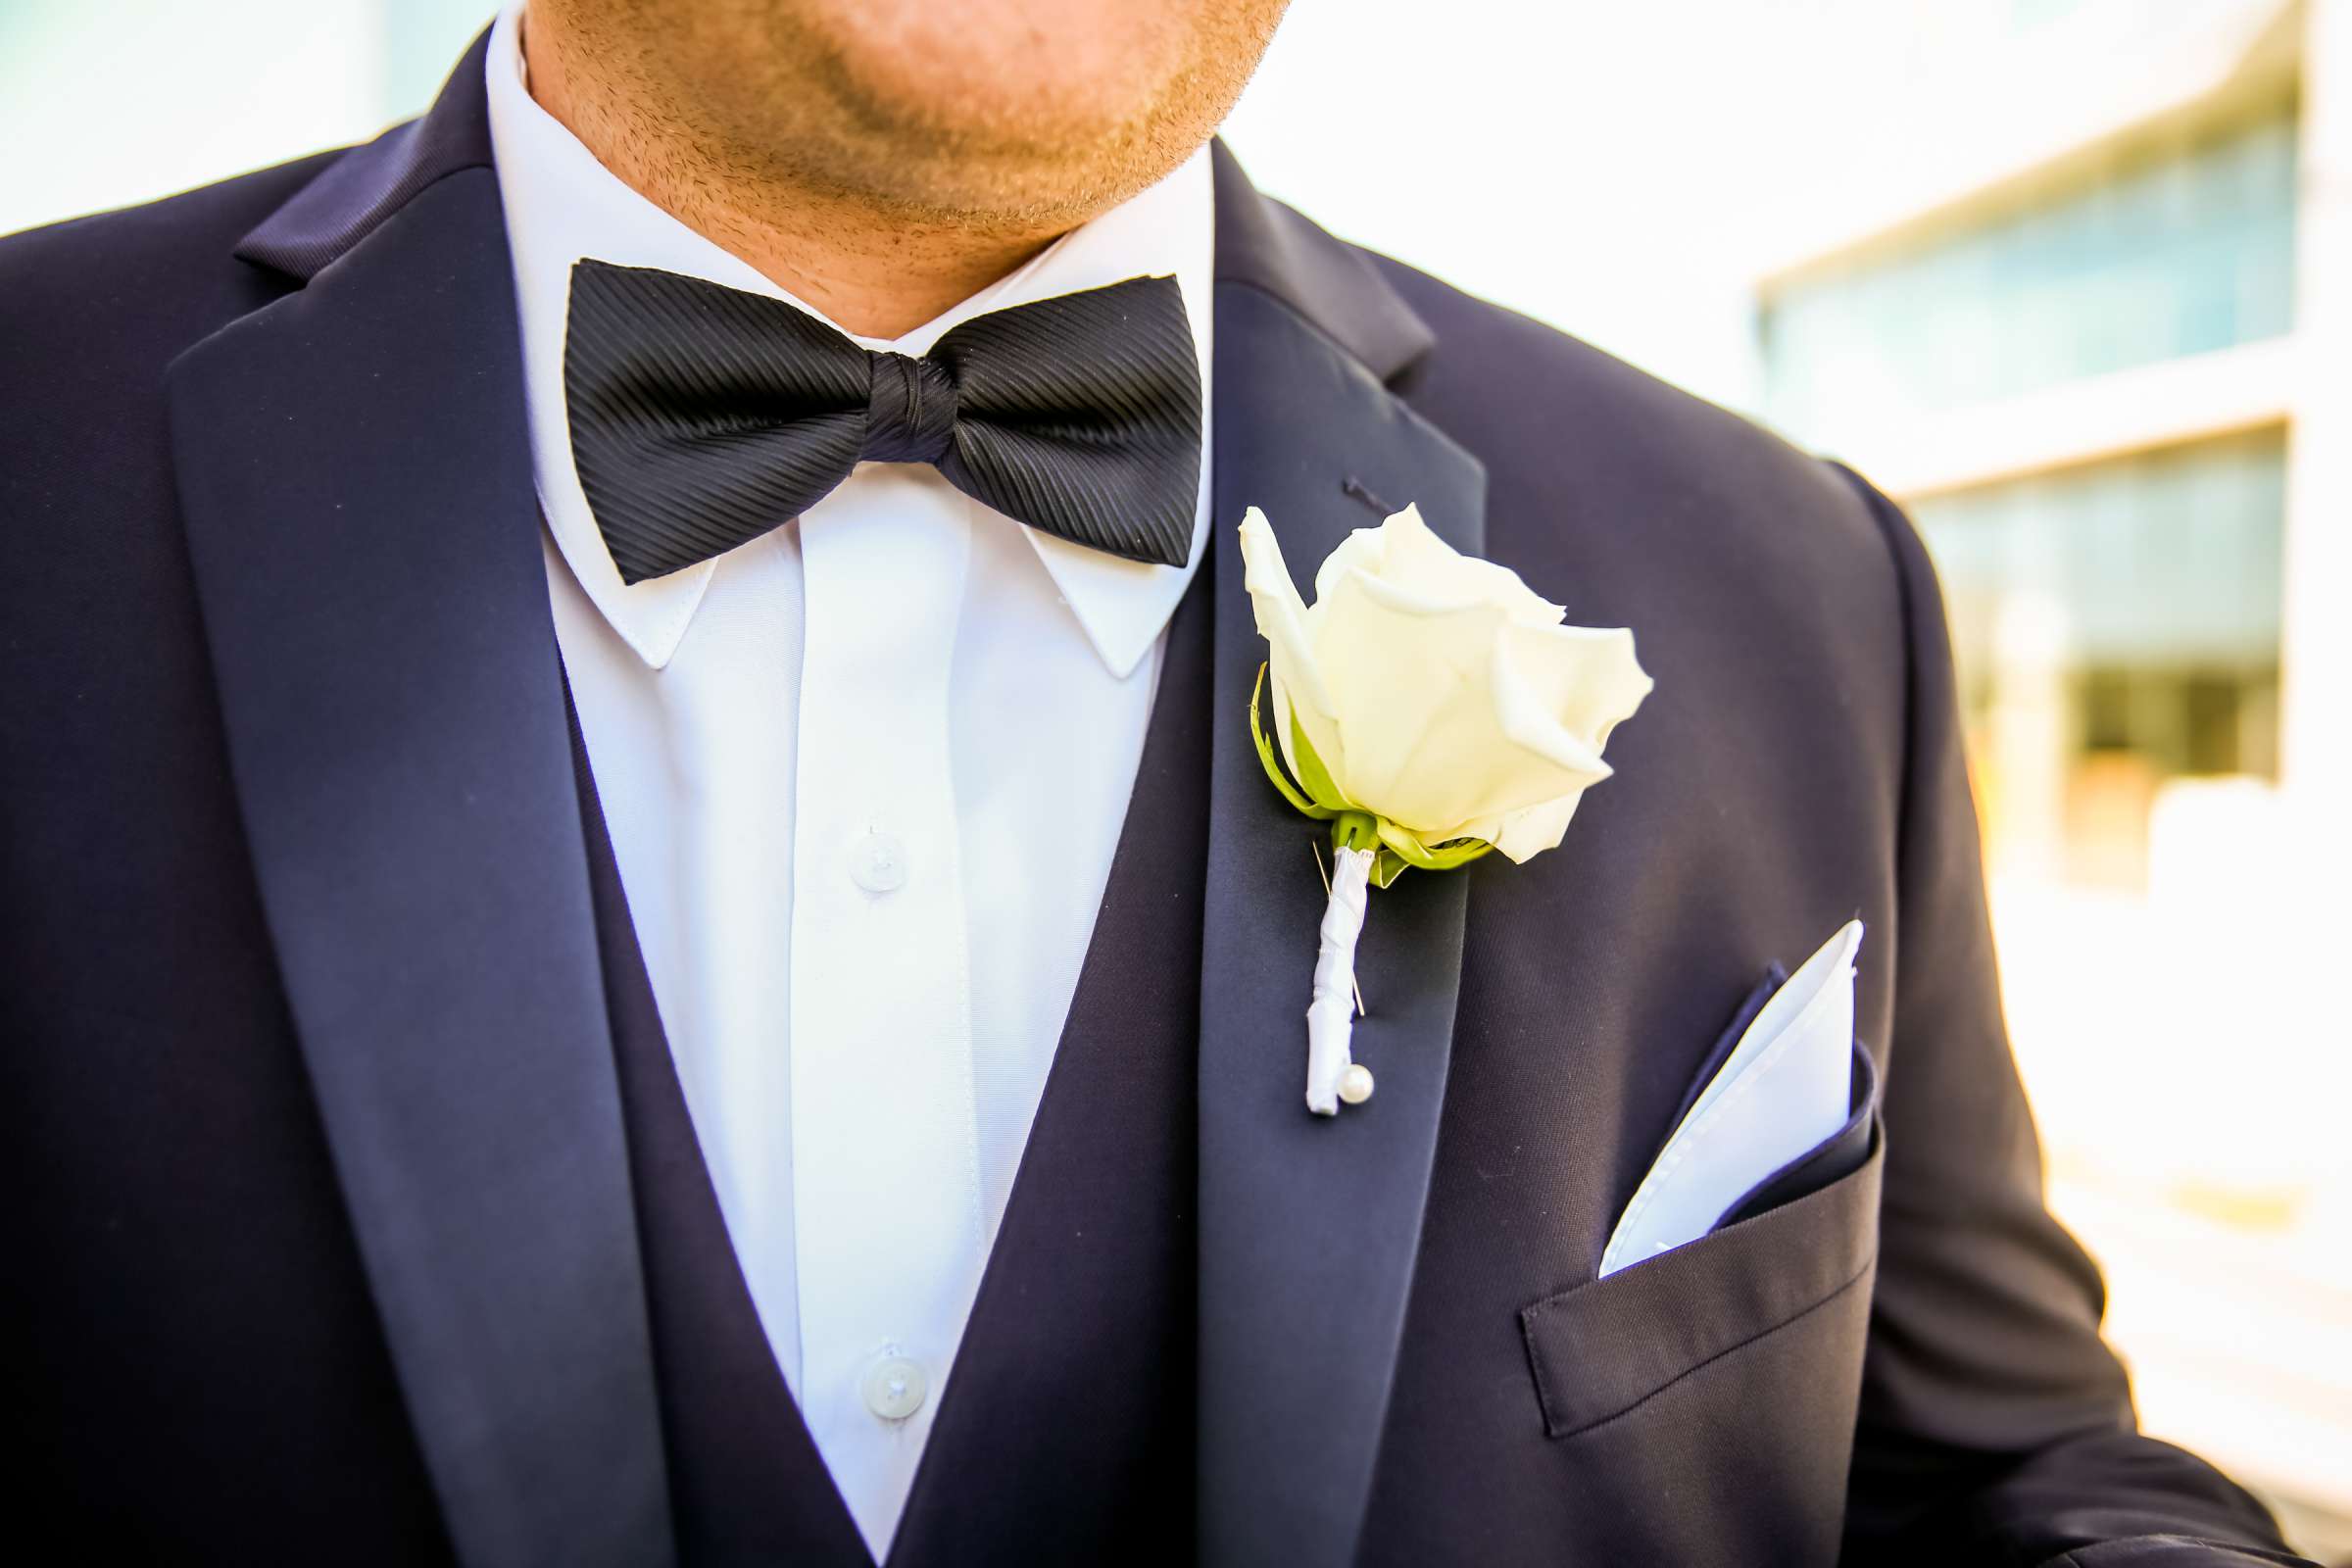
(562, 205)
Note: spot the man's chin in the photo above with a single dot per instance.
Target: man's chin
(1003, 110)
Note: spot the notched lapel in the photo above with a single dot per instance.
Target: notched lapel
(357, 486)
(1309, 1227)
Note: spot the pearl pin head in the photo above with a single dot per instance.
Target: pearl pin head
(1356, 1084)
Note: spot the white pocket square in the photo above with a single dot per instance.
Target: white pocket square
(1785, 1088)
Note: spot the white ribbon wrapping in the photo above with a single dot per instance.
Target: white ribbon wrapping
(1331, 1014)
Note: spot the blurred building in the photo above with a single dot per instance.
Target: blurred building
(2094, 329)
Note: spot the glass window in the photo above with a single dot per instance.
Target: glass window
(2169, 251)
(2117, 628)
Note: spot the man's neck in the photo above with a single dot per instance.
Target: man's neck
(877, 274)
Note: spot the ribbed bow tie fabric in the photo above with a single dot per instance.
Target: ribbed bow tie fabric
(703, 417)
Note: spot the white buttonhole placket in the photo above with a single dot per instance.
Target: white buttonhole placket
(888, 1215)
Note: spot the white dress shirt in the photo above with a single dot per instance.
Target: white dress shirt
(864, 777)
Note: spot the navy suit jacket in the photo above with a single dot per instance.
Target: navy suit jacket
(320, 1241)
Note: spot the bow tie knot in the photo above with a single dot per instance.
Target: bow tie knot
(909, 409)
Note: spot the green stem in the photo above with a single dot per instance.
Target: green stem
(1354, 830)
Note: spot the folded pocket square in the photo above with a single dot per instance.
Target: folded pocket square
(1847, 1151)
(1787, 1090)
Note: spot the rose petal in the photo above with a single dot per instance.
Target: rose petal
(1559, 690)
(1421, 725)
(1585, 677)
(1405, 554)
(1525, 834)
(1297, 678)
(1363, 550)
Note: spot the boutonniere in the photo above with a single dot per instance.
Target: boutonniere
(1432, 707)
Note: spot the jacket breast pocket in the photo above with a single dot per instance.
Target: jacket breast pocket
(1806, 1238)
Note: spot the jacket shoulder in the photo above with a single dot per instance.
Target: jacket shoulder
(160, 269)
(212, 217)
(1520, 393)
(1588, 456)
(93, 311)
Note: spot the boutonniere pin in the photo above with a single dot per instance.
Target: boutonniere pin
(1432, 707)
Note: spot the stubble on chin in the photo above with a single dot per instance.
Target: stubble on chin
(933, 113)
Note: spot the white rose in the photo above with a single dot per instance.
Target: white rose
(1438, 692)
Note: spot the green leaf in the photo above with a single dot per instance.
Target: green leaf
(1458, 852)
(1273, 767)
(1312, 774)
(1407, 845)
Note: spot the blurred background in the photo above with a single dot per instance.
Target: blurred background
(2071, 278)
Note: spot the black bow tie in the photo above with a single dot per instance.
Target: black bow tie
(703, 417)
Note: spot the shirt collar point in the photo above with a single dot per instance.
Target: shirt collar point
(651, 617)
(1121, 606)
(1120, 652)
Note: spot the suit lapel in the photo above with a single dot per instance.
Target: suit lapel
(1309, 1227)
(357, 486)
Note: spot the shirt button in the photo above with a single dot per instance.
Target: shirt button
(895, 1387)
(878, 862)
